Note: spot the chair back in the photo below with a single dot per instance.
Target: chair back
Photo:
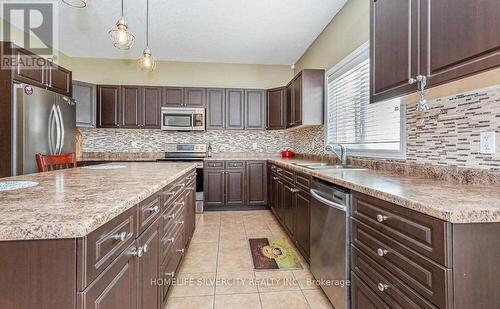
(55, 162)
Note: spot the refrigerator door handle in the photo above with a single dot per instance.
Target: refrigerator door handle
(51, 129)
(58, 130)
(61, 125)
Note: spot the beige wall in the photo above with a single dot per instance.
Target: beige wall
(113, 71)
(347, 31)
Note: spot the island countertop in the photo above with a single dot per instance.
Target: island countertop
(72, 203)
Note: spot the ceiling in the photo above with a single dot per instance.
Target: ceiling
(223, 31)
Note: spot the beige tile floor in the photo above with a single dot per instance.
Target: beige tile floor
(217, 271)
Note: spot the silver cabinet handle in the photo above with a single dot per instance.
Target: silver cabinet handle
(381, 252)
(180, 250)
(145, 248)
(170, 274)
(381, 218)
(275, 178)
(138, 252)
(382, 287)
(179, 204)
(169, 217)
(180, 222)
(169, 194)
(121, 236)
(411, 81)
(294, 190)
(154, 209)
(169, 240)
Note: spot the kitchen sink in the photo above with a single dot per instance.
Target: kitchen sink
(326, 166)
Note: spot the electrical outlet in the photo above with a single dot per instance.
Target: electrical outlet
(488, 142)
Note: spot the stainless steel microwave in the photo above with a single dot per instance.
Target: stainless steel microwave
(182, 119)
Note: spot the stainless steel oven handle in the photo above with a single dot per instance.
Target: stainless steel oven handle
(326, 201)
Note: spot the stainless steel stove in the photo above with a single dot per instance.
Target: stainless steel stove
(189, 153)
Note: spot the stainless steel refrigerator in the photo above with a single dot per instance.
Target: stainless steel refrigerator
(42, 122)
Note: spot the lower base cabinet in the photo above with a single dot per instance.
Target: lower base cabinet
(363, 297)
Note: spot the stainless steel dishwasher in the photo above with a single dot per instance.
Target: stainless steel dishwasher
(330, 240)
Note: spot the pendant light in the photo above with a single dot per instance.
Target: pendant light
(76, 3)
(120, 36)
(147, 62)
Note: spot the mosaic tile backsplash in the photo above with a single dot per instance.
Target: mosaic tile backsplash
(448, 134)
(132, 140)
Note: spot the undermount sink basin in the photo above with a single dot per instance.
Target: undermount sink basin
(15, 185)
(325, 166)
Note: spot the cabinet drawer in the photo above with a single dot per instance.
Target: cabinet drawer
(171, 193)
(423, 275)
(174, 214)
(114, 288)
(363, 297)
(385, 285)
(148, 211)
(303, 181)
(422, 233)
(289, 175)
(235, 164)
(214, 164)
(169, 240)
(104, 245)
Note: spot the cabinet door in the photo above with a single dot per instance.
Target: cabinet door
(173, 97)
(194, 97)
(459, 38)
(214, 187)
(131, 107)
(276, 109)
(85, 96)
(279, 195)
(302, 209)
(289, 105)
(216, 108)
(59, 79)
(297, 100)
(288, 207)
(189, 210)
(151, 102)
(393, 48)
(115, 288)
(363, 297)
(256, 186)
(30, 68)
(108, 106)
(235, 109)
(235, 187)
(255, 109)
(148, 267)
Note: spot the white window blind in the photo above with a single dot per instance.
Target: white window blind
(364, 128)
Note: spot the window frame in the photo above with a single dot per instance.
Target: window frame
(361, 53)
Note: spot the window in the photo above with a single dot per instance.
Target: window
(369, 130)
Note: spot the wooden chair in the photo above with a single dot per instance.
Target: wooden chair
(55, 162)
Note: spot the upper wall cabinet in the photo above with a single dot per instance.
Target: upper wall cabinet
(305, 98)
(255, 109)
(108, 106)
(151, 100)
(84, 95)
(235, 109)
(173, 97)
(456, 38)
(276, 109)
(184, 97)
(216, 108)
(194, 97)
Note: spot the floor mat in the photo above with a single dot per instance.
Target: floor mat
(273, 253)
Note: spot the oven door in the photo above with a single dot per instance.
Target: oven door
(177, 119)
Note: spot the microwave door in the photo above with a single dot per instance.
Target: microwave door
(178, 121)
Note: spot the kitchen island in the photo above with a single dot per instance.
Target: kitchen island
(96, 236)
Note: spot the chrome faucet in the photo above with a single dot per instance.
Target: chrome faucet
(342, 154)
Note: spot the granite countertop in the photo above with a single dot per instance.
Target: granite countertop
(456, 203)
(72, 203)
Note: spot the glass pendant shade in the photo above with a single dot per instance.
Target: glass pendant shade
(147, 62)
(76, 3)
(120, 36)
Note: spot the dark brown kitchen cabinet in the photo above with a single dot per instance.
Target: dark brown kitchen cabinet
(173, 97)
(362, 297)
(255, 109)
(235, 187)
(59, 79)
(108, 106)
(194, 97)
(151, 108)
(439, 40)
(235, 109)
(394, 48)
(297, 101)
(288, 207)
(214, 190)
(276, 109)
(289, 105)
(190, 213)
(302, 225)
(305, 98)
(148, 267)
(131, 105)
(256, 187)
(216, 108)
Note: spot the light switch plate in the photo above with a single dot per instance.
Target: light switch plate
(488, 142)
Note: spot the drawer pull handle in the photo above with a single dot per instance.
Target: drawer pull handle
(122, 236)
(170, 274)
(169, 194)
(293, 190)
(382, 287)
(279, 170)
(180, 222)
(381, 252)
(381, 218)
(145, 248)
(179, 204)
(154, 209)
(170, 240)
(275, 178)
(169, 217)
(181, 250)
(138, 252)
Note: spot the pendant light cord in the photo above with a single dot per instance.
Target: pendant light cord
(147, 23)
(122, 8)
